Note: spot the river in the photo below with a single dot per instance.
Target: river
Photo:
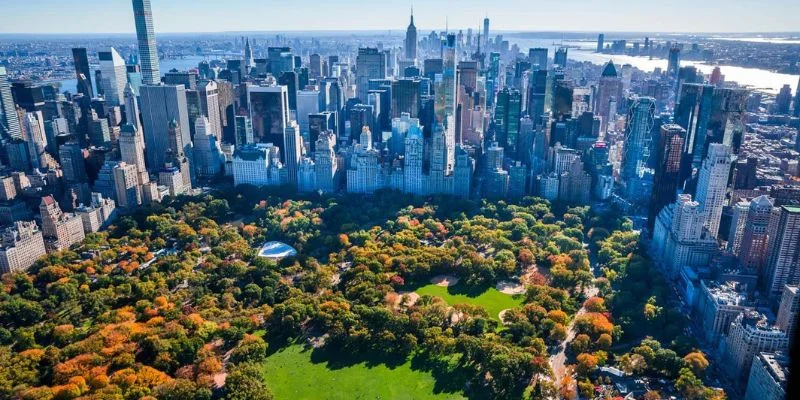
(758, 79)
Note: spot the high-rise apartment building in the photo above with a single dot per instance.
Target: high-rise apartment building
(9, 120)
(783, 254)
(22, 244)
(712, 184)
(753, 247)
(126, 184)
(146, 36)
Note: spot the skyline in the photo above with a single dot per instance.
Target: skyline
(204, 16)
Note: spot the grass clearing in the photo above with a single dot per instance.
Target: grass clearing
(489, 298)
(298, 373)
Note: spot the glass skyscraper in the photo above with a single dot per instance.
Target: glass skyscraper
(148, 54)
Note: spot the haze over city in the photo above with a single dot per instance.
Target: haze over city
(112, 16)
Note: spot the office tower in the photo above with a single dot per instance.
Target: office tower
(411, 40)
(325, 121)
(753, 246)
(269, 113)
(360, 116)
(486, 33)
(162, 104)
(126, 184)
(36, 138)
(769, 376)
(600, 39)
(28, 96)
(280, 60)
(693, 112)
(749, 335)
(712, 184)
(370, 64)
(788, 309)
(796, 108)
(207, 153)
(783, 253)
(146, 36)
(326, 163)
(560, 59)
(186, 78)
(176, 152)
(293, 143)
(22, 244)
(114, 76)
(783, 101)
(82, 71)
(508, 112)
(72, 161)
(307, 103)
(315, 66)
(99, 133)
(208, 95)
(537, 90)
(131, 150)
(538, 58)
(609, 90)
(406, 97)
(9, 120)
(636, 151)
(248, 55)
(667, 161)
(244, 131)
(673, 62)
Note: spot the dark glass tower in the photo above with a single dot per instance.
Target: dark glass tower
(82, 71)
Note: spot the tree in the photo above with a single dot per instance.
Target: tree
(250, 349)
(181, 389)
(244, 382)
(696, 361)
(586, 364)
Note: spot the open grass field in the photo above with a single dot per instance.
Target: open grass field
(297, 373)
(490, 298)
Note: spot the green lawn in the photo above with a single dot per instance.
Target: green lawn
(490, 298)
(296, 373)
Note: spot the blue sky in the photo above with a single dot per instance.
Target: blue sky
(116, 16)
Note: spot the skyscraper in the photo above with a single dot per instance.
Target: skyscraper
(507, 117)
(82, 71)
(636, 152)
(9, 120)
(783, 255)
(126, 184)
(370, 64)
(600, 39)
(411, 40)
(446, 82)
(131, 150)
(114, 76)
(162, 104)
(293, 145)
(753, 246)
(207, 153)
(269, 113)
(712, 184)
(560, 59)
(608, 90)
(145, 33)
(667, 171)
(486, 33)
(673, 63)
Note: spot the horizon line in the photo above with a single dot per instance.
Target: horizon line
(512, 31)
